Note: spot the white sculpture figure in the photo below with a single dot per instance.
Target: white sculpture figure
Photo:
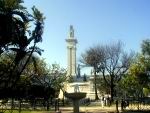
(71, 31)
(76, 88)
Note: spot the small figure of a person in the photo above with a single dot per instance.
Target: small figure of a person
(71, 31)
(105, 101)
(109, 101)
(102, 101)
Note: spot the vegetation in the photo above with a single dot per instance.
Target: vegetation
(23, 75)
(102, 85)
(37, 81)
(110, 61)
(115, 65)
(92, 57)
(16, 36)
(58, 76)
(136, 82)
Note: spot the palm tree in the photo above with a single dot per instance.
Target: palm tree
(16, 36)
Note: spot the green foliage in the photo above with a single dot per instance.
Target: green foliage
(11, 4)
(137, 78)
(36, 66)
(35, 80)
(102, 85)
(130, 87)
(146, 47)
(139, 69)
(138, 66)
(146, 91)
(36, 76)
(58, 75)
(136, 82)
(16, 36)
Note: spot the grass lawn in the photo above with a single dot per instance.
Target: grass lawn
(16, 111)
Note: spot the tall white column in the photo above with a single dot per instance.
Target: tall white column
(69, 61)
(74, 61)
(71, 48)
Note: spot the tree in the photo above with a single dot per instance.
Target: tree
(110, 61)
(115, 65)
(17, 36)
(136, 82)
(92, 57)
(34, 82)
(137, 78)
(129, 87)
(37, 80)
(146, 91)
(102, 85)
(58, 76)
(36, 67)
(146, 47)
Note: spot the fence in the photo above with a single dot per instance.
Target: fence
(136, 104)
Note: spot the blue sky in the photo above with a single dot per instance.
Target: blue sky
(94, 21)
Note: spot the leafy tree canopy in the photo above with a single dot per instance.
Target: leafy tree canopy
(16, 35)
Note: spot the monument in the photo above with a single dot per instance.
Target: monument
(78, 85)
(71, 53)
(75, 96)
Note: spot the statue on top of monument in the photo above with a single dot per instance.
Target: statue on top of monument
(71, 31)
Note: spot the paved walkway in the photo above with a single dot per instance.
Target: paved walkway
(95, 109)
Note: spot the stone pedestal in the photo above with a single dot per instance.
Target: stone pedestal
(76, 106)
(58, 112)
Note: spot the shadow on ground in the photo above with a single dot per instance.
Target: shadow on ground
(129, 111)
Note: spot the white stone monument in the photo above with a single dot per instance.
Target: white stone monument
(71, 53)
(77, 86)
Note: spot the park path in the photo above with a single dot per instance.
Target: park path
(93, 109)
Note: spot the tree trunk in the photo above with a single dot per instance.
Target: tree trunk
(12, 105)
(47, 104)
(112, 88)
(20, 101)
(24, 66)
(95, 85)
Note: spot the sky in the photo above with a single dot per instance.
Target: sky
(94, 22)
